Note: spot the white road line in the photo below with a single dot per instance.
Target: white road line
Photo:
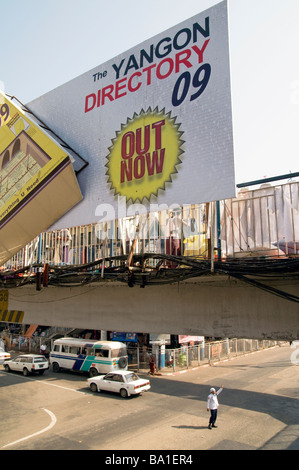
(53, 422)
(45, 382)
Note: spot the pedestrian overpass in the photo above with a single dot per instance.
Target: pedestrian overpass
(190, 300)
(231, 271)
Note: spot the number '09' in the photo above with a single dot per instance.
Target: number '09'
(200, 81)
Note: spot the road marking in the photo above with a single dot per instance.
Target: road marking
(45, 382)
(53, 422)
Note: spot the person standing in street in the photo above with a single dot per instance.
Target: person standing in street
(212, 406)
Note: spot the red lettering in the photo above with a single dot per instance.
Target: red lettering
(107, 93)
(149, 74)
(99, 99)
(118, 87)
(139, 167)
(153, 165)
(182, 58)
(170, 68)
(145, 78)
(126, 170)
(157, 126)
(200, 52)
(143, 150)
(87, 98)
(130, 86)
(128, 142)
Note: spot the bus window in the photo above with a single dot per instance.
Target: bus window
(118, 352)
(101, 353)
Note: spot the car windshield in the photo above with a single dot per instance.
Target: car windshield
(39, 359)
(132, 377)
(119, 352)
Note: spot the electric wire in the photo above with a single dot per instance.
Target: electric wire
(152, 269)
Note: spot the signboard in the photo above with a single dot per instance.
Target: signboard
(190, 339)
(154, 123)
(37, 181)
(159, 338)
(124, 337)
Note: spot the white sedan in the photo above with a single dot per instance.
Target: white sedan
(124, 382)
(4, 356)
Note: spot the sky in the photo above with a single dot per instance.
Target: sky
(46, 43)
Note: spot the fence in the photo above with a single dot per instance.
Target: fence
(172, 360)
(262, 222)
(188, 357)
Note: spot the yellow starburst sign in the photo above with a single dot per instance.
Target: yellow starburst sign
(144, 155)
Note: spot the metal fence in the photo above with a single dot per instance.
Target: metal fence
(262, 222)
(167, 360)
(188, 357)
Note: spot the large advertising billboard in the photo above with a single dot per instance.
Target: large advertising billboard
(37, 181)
(154, 123)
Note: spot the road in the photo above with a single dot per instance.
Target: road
(258, 409)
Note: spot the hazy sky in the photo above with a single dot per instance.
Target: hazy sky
(47, 43)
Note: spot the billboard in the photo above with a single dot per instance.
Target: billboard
(154, 123)
(37, 181)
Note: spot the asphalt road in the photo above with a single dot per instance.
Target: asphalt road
(258, 410)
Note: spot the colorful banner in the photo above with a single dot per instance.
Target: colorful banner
(154, 123)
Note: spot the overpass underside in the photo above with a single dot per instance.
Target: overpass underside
(256, 303)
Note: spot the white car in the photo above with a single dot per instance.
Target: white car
(28, 363)
(124, 382)
(4, 356)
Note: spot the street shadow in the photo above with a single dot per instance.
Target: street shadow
(281, 407)
(190, 427)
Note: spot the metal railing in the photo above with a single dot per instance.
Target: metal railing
(262, 222)
(167, 360)
(188, 357)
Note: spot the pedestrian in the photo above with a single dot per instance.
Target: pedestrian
(152, 365)
(212, 406)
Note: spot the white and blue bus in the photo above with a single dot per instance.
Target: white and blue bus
(93, 356)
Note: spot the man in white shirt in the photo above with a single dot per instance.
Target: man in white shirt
(212, 406)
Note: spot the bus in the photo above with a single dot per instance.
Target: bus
(92, 356)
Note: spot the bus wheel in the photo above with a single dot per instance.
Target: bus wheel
(93, 372)
(122, 363)
(55, 367)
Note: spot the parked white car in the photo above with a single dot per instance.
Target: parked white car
(4, 356)
(124, 382)
(28, 363)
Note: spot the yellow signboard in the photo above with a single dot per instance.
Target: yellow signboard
(30, 162)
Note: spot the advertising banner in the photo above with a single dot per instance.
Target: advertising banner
(154, 123)
(124, 337)
(30, 197)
